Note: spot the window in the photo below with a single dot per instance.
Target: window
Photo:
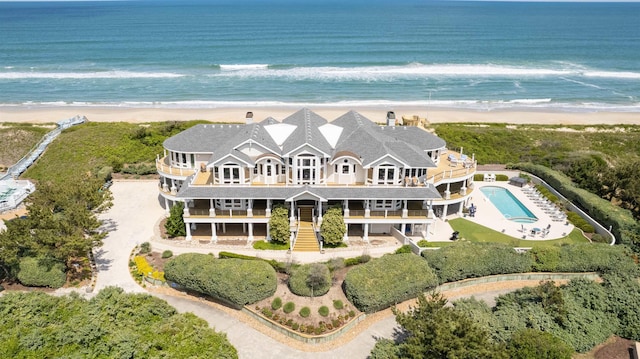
(381, 204)
(306, 169)
(231, 174)
(386, 174)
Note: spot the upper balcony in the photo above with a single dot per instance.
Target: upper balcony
(453, 166)
(164, 168)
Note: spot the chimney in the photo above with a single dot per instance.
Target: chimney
(391, 118)
(249, 118)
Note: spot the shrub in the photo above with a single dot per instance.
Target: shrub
(404, 249)
(423, 243)
(545, 258)
(338, 304)
(501, 177)
(273, 246)
(597, 257)
(599, 238)
(279, 225)
(278, 266)
(267, 312)
(236, 282)
(335, 264)
(333, 227)
(534, 344)
(464, 260)
(295, 326)
(145, 248)
(276, 303)
(167, 254)
(310, 280)
(143, 267)
(385, 281)
(305, 312)
(174, 225)
(289, 307)
(41, 272)
(323, 311)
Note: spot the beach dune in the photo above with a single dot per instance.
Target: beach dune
(26, 114)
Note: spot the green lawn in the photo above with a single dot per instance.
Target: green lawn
(476, 233)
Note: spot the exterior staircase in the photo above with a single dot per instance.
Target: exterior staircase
(306, 239)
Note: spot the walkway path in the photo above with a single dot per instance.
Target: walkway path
(134, 218)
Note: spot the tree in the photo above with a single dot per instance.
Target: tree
(62, 224)
(318, 276)
(333, 227)
(279, 225)
(536, 344)
(175, 226)
(433, 330)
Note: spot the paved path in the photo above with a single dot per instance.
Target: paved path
(133, 220)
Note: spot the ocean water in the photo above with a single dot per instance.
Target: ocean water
(477, 55)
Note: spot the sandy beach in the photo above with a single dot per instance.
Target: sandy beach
(41, 114)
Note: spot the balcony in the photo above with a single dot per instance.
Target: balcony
(450, 170)
(163, 167)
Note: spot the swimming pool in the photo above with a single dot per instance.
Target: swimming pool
(510, 207)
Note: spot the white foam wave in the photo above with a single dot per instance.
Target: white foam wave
(238, 67)
(86, 75)
(411, 71)
(472, 105)
(611, 74)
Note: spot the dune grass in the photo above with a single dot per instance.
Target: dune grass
(89, 147)
(16, 140)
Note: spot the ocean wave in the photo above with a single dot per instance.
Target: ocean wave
(238, 67)
(87, 75)
(472, 105)
(414, 71)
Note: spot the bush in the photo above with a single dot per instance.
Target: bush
(357, 260)
(464, 260)
(145, 248)
(167, 254)
(502, 178)
(279, 225)
(310, 280)
(280, 267)
(276, 303)
(423, 243)
(386, 281)
(535, 344)
(599, 238)
(143, 267)
(338, 304)
(404, 249)
(305, 312)
(40, 272)
(236, 282)
(597, 257)
(289, 307)
(323, 311)
(273, 246)
(175, 225)
(545, 258)
(333, 227)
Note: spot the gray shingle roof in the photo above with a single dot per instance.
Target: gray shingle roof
(306, 132)
(201, 138)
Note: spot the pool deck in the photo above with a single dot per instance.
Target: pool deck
(489, 216)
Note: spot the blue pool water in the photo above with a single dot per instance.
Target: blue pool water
(510, 207)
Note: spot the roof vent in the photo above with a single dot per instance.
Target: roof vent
(391, 118)
(249, 118)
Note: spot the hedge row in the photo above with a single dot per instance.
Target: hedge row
(236, 282)
(624, 226)
(35, 272)
(278, 266)
(464, 260)
(467, 260)
(585, 257)
(300, 282)
(388, 280)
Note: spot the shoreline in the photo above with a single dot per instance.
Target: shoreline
(50, 114)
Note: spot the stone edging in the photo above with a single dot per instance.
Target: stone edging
(309, 339)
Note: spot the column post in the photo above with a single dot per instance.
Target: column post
(214, 235)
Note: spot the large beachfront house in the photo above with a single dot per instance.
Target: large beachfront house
(386, 178)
